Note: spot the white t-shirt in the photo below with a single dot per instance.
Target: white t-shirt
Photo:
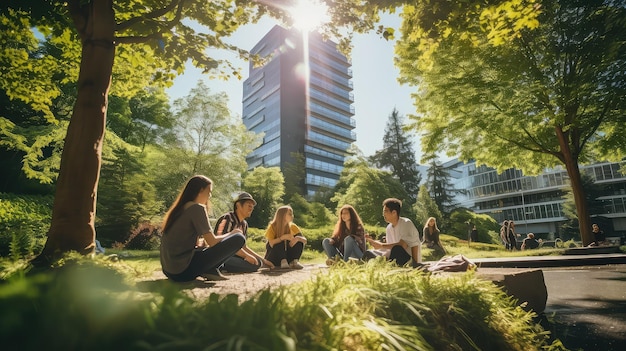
(404, 230)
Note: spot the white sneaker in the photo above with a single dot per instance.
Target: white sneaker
(295, 265)
(284, 264)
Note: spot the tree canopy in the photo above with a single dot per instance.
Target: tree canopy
(519, 84)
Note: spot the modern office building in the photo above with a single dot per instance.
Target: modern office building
(305, 118)
(535, 203)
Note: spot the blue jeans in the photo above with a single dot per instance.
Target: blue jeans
(237, 264)
(208, 259)
(350, 249)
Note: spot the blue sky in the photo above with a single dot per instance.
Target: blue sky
(376, 90)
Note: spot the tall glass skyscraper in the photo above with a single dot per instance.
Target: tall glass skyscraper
(301, 98)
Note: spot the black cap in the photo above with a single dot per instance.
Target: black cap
(244, 197)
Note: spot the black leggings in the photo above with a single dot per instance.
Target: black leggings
(282, 250)
(208, 259)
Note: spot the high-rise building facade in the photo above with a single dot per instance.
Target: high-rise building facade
(300, 98)
(535, 203)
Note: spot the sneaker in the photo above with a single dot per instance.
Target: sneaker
(296, 265)
(284, 264)
(214, 275)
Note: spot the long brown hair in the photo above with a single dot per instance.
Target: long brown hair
(279, 224)
(355, 221)
(192, 188)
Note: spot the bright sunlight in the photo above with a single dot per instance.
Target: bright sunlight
(309, 14)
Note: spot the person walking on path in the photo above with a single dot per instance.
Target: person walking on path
(402, 238)
(348, 239)
(245, 260)
(186, 221)
(285, 241)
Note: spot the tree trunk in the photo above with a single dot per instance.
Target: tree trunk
(571, 165)
(72, 227)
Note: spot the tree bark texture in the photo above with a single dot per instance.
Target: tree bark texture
(573, 171)
(73, 214)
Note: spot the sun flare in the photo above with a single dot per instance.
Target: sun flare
(309, 14)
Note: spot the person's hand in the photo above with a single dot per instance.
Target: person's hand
(286, 237)
(251, 260)
(294, 240)
(268, 263)
(332, 241)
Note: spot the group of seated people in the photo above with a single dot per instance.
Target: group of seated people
(191, 248)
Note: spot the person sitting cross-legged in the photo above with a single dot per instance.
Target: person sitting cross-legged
(402, 238)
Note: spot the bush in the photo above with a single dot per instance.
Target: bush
(24, 220)
(145, 236)
(85, 305)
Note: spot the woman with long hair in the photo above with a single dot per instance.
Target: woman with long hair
(504, 233)
(184, 223)
(348, 239)
(511, 236)
(431, 236)
(285, 241)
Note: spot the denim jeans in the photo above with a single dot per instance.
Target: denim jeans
(350, 249)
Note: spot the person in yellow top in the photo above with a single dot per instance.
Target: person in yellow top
(285, 241)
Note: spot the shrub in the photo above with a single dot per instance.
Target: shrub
(145, 236)
(23, 223)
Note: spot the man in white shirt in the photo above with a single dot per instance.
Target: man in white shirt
(402, 238)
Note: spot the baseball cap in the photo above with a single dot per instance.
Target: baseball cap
(245, 196)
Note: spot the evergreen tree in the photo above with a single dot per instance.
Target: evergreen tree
(440, 186)
(398, 155)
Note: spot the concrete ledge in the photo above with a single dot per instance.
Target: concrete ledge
(527, 286)
(592, 250)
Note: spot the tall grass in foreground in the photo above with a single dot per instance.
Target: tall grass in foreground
(86, 305)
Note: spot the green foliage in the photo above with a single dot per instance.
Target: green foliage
(398, 155)
(366, 188)
(89, 304)
(23, 220)
(127, 194)
(267, 186)
(310, 214)
(462, 219)
(426, 207)
(440, 187)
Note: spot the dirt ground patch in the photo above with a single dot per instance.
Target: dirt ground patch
(244, 285)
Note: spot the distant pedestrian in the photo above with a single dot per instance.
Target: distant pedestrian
(504, 235)
(474, 234)
(512, 236)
